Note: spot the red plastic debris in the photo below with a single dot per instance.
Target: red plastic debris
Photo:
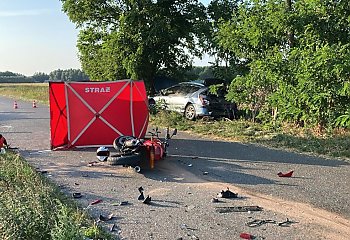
(246, 236)
(288, 174)
(95, 202)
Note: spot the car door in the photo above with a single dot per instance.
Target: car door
(167, 97)
(181, 98)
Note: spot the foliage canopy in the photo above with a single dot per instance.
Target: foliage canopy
(135, 39)
(298, 59)
(286, 60)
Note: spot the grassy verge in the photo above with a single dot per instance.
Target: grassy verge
(31, 207)
(332, 144)
(26, 91)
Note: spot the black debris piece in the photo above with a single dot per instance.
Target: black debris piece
(141, 189)
(238, 209)
(227, 194)
(77, 195)
(104, 219)
(141, 197)
(259, 222)
(147, 200)
(113, 228)
(286, 223)
(123, 203)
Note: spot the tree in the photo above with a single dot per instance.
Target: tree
(298, 57)
(8, 76)
(135, 38)
(68, 75)
(40, 77)
(255, 35)
(226, 65)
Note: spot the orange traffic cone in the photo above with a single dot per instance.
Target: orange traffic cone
(34, 104)
(15, 106)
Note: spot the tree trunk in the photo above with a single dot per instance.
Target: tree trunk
(290, 32)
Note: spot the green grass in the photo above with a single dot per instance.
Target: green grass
(238, 130)
(26, 91)
(331, 144)
(328, 145)
(31, 207)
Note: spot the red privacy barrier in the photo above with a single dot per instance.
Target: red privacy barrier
(91, 114)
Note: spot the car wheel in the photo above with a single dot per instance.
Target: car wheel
(230, 114)
(190, 112)
(151, 102)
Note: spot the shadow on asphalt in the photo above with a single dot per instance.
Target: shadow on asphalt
(213, 161)
(231, 152)
(230, 162)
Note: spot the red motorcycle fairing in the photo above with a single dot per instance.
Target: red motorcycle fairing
(158, 148)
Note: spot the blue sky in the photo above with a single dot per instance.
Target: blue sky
(36, 36)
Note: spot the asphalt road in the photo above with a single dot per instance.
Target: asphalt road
(196, 169)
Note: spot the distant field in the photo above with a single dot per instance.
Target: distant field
(26, 91)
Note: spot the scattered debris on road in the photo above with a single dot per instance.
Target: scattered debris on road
(286, 223)
(105, 219)
(141, 197)
(227, 194)
(260, 222)
(77, 195)
(113, 227)
(288, 174)
(238, 209)
(91, 164)
(41, 171)
(249, 236)
(147, 200)
(123, 203)
(96, 202)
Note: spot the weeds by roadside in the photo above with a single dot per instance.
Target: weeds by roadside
(31, 207)
(26, 91)
(332, 144)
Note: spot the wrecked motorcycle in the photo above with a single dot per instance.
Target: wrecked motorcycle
(136, 152)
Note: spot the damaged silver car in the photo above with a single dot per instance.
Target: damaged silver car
(194, 100)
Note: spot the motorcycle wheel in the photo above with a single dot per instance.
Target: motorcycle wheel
(125, 160)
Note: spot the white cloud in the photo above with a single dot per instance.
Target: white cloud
(20, 13)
